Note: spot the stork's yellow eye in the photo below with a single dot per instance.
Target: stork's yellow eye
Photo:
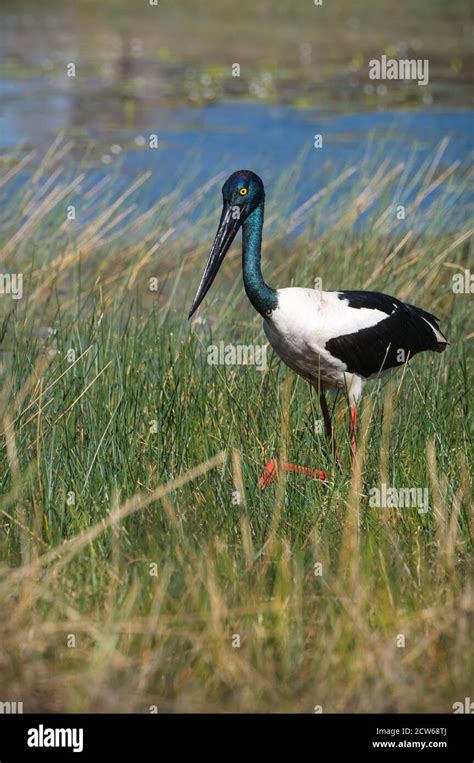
(243, 191)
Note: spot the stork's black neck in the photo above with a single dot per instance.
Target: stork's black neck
(263, 297)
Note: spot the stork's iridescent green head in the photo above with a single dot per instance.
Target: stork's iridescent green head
(242, 193)
(244, 189)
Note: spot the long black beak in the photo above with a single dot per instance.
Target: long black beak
(228, 226)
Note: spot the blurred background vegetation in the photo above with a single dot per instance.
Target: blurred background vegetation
(131, 56)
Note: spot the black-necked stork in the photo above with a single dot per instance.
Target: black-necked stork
(336, 340)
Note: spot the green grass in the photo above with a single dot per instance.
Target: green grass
(153, 442)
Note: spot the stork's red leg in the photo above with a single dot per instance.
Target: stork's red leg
(353, 428)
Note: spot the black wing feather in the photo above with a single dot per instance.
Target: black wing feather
(377, 348)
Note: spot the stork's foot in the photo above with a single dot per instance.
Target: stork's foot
(272, 468)
(269, 474)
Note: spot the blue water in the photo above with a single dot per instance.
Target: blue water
(268, 140)
(198, 143)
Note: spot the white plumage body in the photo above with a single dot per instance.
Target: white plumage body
(305, 320)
